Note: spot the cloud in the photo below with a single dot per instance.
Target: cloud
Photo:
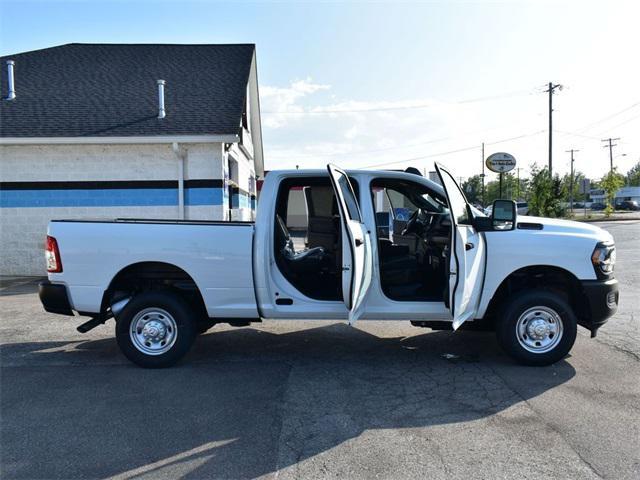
(357, 133)
(275, 100)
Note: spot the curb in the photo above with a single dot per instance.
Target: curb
(604, 219)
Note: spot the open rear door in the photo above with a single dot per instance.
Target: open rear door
(467, 251)
(357, 262)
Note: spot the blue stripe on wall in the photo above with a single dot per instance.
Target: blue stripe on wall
(108, 197)
(203, 196)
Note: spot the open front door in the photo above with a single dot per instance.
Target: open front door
(357, 262)
(466, 254)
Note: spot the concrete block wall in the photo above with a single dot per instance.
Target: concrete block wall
(243, 201)
(26, 209)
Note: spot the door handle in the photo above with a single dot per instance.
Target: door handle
(468, 246)
(358, 242)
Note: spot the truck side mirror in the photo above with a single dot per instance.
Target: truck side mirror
(503, 215)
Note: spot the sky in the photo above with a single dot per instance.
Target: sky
(392, 85)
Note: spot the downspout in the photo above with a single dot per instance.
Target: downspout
(181, 154)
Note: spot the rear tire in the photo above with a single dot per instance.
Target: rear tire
(156, 329)
(537, 327)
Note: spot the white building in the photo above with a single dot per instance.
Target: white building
(625, 193)
(146, 131)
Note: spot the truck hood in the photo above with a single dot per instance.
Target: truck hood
(568, 227)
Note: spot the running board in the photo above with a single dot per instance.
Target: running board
(91, 324)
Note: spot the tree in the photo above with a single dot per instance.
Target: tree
(472, 188)
(545, 193)
(611, 183)
(633, 176)
(566, 187)
(510, 188)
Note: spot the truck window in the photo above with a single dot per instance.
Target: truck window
(413, 238)
(458, 206)
(350, 199)
(307, 235)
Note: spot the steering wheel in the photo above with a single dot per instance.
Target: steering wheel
(412, 223)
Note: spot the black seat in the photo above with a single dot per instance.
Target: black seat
(397, 266)
(310, 260)
(323, 229)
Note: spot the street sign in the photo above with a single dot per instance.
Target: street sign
(501, 162)
(585, 185)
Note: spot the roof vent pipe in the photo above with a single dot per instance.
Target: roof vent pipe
(161, 112)
(11, 95)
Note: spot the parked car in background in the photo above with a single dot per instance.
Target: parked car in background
(523, 208)
(598, 206)
(628, 205)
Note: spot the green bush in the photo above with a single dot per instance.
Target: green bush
(545, 192)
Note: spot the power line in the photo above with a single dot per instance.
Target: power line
(623, 123)
(577, 132)
(573, 134)
(386, 109)
(610, 146)
(395, 147)
(588, 126)
(550, 90)
(441, 154)
(572, 151)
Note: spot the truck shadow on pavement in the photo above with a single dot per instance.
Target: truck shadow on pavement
(247, 402)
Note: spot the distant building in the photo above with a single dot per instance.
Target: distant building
(625, 193)
(628, 193)
(90, 130)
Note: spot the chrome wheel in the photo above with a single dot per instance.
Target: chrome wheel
(539, 329)
(153, 331)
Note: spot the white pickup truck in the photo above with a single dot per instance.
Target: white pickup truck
(368, 245)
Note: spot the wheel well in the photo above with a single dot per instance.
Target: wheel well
(543, 277)
(146, 276)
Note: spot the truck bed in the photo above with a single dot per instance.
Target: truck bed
(172, 221)
(216, 255)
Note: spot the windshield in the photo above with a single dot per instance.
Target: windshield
(476, 212)
(431, 204)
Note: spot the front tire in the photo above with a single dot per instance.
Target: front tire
(537, 327)
(156, 329)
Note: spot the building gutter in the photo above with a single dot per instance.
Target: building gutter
(181, 154)
(119, 140)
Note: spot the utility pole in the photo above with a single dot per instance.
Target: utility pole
(572, 151)
(610, 146)
(518, 187)
(483, 199)
(551, 89)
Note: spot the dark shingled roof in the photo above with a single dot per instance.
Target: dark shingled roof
(79, 90)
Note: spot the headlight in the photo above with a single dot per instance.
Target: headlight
(604, 258)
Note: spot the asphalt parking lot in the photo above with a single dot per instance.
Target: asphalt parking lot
(310, 400)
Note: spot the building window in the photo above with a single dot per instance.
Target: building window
(234, 175)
